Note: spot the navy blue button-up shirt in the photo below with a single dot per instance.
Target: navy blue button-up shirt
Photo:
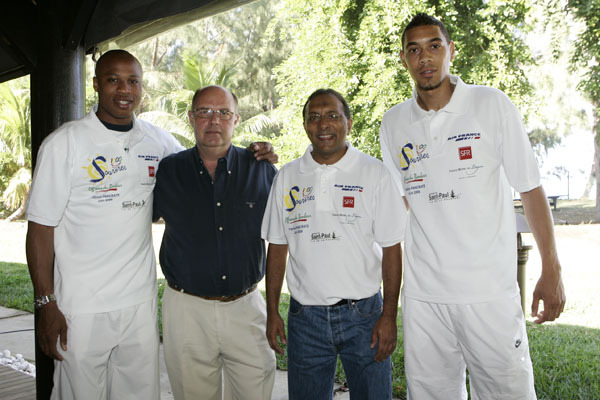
(211, 244)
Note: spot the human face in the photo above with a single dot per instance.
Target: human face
(118, 82)
(427, 56)
(214, 133)
(327, 127)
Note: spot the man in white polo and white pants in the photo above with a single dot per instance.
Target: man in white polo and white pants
(454, 149)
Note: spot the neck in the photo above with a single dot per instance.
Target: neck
(437, 98)
(328, 159)
(210, 156)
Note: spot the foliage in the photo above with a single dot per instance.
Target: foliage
(354, 47)
(15, 142)
(235, 51)
(16, 290)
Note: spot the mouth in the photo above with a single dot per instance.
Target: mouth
(326, 137)
(427, 72)
(124, 103)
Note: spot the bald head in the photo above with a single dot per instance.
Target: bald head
(110, 57)
(212, 88)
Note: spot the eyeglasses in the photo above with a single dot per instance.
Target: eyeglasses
(332, 117)
(207, 113)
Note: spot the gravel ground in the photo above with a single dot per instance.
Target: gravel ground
(578, 247)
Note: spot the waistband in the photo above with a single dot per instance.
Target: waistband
(215, 298)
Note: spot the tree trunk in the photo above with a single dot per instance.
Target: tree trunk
(19, 212)
(591, 179)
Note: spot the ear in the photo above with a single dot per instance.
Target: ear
(95, 84)
(349, 124)
(452, 50)
(191, 118)
(238, 119)
(402, 58)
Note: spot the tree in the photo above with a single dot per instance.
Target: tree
(15, 144)
(586, 55)
(353, 46)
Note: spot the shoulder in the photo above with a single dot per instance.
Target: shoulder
(175, 159)
(397, 111)
(487, 94)
(247, 158)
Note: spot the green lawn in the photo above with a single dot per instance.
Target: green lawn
(565, 357)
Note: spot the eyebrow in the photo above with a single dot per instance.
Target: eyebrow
(435, 39)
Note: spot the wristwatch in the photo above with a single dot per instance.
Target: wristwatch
(41, 301)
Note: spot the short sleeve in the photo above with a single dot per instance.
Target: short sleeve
(272, 228)
(51, 185)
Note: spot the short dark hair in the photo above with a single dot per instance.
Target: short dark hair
(422, 19)
(115, 53)
(199, 91)
(331, 92)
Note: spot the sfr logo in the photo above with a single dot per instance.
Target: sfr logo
(464, 153)
(348, 202)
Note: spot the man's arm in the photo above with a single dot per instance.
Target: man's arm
(276, 260)
(263, 151)
(40, 259)
(385, 330)
(549, 287)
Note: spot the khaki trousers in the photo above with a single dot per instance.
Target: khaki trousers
(217, 350)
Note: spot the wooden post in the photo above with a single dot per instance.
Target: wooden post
(57, 96)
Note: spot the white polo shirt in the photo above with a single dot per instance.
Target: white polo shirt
(98, 196)
(455, 166)
(334, 219)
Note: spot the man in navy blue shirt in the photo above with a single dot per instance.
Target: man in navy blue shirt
(212, 198)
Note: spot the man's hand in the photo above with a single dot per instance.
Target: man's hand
(550, 290)
(385, 332)
(263, 151)
(275, 328)
(51, 326)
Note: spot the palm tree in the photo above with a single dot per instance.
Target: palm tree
(170, 99)
(15, 145)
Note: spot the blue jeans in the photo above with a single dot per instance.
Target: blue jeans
(317, 334)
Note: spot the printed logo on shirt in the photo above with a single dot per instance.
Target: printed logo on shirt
(466, 172)
(151, 172)
(465, 136)
(296, 197)
(464, 153)
(348, 202)
(132, 205)
(414, 177)
(435, 197)
(347, 219)
(324, 237)
(349, 188)
(412, 154)
(98, 168)
(148, 157)
(297, 218)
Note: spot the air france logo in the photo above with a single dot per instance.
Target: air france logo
(348, 202)
(464, 153)
(412, 154)
(296, 197)
(98, 168)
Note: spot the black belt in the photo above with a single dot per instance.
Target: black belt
(215, 298)
(344, 302)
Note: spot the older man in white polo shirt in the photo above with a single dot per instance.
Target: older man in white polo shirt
(334, 208)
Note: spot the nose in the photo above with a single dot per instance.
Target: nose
(214, 118)
(123, 87)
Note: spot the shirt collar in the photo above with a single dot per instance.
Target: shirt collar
(308, 163)
(456, 105)
(102, 135)
(229, 157)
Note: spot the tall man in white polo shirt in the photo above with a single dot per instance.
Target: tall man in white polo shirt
(333, 208)
(455, 149)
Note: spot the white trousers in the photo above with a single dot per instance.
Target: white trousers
(211, 344)
(441, 341)
(111, 355)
